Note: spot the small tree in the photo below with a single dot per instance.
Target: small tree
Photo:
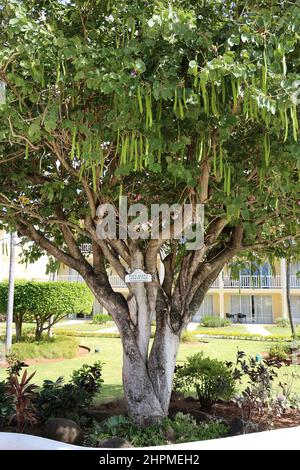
(110, 98)
(47, 303)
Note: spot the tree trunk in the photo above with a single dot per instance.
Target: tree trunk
(148, 384)
(162, 363)
(38, 332)
(18, 325)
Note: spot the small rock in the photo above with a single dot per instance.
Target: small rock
(63, 430)
(114, 443)
(238, 426)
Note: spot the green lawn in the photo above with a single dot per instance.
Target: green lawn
(111, 356)
(279, 330)
(87, 326)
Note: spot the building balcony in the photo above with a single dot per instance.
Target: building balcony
(294, 281)
(253, 282)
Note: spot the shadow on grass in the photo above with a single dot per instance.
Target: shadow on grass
(109, 393)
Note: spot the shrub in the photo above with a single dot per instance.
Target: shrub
(48, 348)
(209, 321)
(257, 380)
(22, 393)
(101, 318)
(279, 351)
(211, 379)
(282, 322)
(46, 302)
(6, 404)
(183, 428)
(86, 334)
(70, 400)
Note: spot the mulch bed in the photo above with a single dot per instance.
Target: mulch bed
(227, 412)
(82, 351)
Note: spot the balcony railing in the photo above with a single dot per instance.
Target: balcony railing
(252, 282)
(115, 281)
(294, 281)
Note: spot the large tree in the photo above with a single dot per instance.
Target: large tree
(181, 101)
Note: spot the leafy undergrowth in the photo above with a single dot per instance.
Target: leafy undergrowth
(183, 428)
(47, 348)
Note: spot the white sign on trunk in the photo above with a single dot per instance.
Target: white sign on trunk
(138, 276)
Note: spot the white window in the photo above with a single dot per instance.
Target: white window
(257, 308)
(207, 308)
(295, 307)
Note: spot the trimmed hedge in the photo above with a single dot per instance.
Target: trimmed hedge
(39, 301)
(85, 334)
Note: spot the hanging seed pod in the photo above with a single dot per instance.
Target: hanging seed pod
(246, 105)
(140, 99)
(267, 149)
(81, 171)
(215, 161)
(57, 73)
(141, 152)
(159, 112)
(234, 92)
(73, 143)
(132, 144)
(286, 133)
(223, 91)
(94, 178)
(264, 74)
(149, 119)
(221, 162)
(184, 98)
(228, 185)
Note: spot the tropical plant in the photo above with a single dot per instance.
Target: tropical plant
(46, 303)
(210, 321)
(280, 351)
(183, 428)
(256, 378)
(282, 322)
(70, 400)
(22, 392)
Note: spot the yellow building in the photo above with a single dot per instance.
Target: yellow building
(260, 296)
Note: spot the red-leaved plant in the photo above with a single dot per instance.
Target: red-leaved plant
(22, 393)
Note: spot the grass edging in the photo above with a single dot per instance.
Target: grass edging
(85, 334)
(243, 336)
